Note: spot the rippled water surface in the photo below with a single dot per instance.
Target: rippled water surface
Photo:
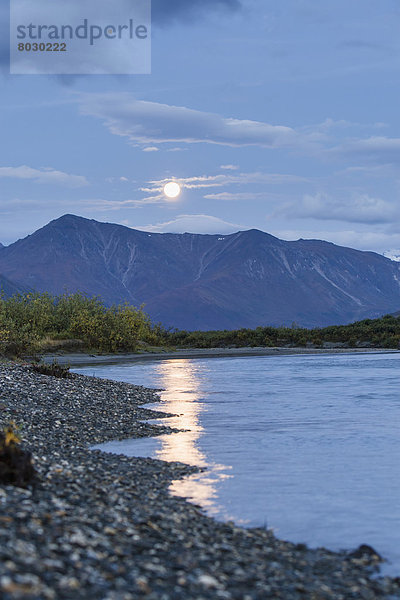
(307, 445)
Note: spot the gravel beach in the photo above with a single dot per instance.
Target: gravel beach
(100, 526)
(82, 358)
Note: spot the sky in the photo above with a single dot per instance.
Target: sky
(281, 116)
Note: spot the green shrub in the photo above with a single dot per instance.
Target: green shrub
(380, 333)
(30, 322)
(28, 319)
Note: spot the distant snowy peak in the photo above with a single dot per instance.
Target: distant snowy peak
(393, 255)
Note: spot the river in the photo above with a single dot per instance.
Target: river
(306, 445)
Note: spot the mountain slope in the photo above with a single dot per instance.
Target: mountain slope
(9, 288)
(193, 281)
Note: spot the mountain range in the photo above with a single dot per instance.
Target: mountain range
(192, 281)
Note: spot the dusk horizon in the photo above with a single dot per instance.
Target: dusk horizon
(179, 228)
(265, 117)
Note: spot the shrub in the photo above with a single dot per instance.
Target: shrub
(16, 466)
(28, 319)
(54, 370)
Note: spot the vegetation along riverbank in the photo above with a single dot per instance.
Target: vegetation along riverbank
(40, 323)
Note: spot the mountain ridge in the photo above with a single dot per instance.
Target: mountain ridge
(206, 281)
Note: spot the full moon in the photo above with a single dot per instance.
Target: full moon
(172, 189)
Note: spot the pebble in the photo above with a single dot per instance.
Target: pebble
(98, 526)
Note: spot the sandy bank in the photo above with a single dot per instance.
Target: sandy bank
(77, 359)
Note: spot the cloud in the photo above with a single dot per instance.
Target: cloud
(12, 205)
(151, 124)
(376, 148)
(236, 196)
(361, 208)
(229, 167)
(374, 241)
(121, 179)
(165, 11)
(90, 204)
(150, 149)
(154, 188)
(199, 182)
(103, 204)
(45, 175)
(363, 45)
(144, 123)
(194, 224)
(383, 170)
(5, 34)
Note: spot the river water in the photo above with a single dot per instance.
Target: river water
(306, 445)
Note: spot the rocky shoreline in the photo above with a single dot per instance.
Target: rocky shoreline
(100, 526)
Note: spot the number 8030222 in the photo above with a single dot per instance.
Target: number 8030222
(42, 47)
